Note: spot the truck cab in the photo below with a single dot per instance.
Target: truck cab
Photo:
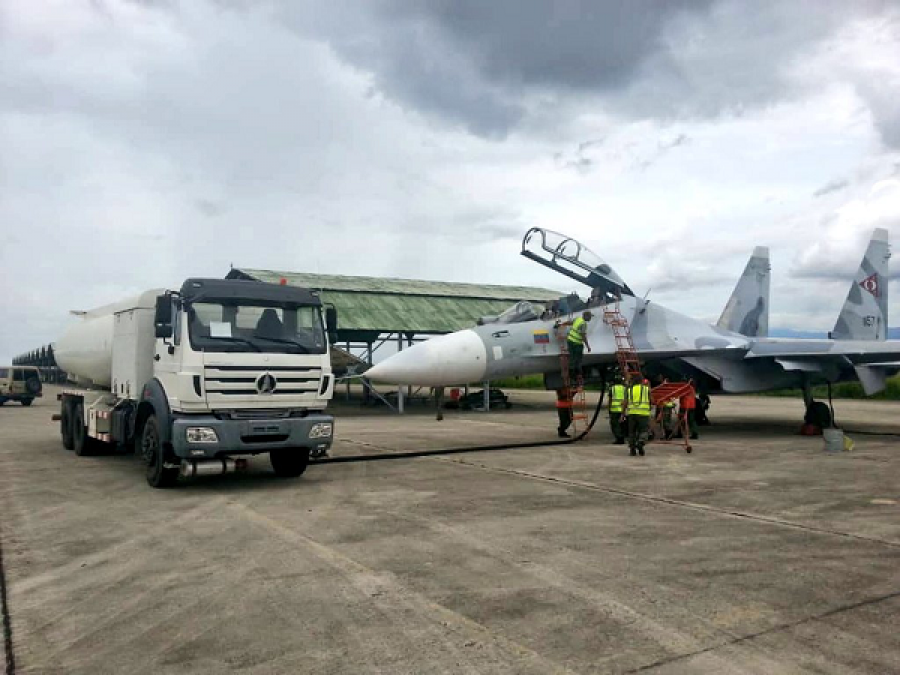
(202, 377)
(20, 383)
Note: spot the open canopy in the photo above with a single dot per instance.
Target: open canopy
(571, 258)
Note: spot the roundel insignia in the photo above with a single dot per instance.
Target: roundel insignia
(871, 285)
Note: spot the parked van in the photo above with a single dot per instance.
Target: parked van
(20, 383)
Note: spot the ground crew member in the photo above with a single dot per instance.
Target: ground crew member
(564, 410)
(617, 411)
(638, 410)
(703, 403)
(668, 418)
(665, 413)
(577, 341)
(687, 407)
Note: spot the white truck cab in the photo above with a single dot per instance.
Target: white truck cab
(195, 379)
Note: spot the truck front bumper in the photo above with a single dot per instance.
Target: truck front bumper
(250, 437)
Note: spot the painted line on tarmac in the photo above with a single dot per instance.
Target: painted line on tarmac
(674, 502)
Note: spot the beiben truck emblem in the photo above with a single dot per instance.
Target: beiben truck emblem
(266, 383)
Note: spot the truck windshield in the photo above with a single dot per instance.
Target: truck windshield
(227, 327)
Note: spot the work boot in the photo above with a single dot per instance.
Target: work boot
(562, 433)
(641, 450)
(633, 453)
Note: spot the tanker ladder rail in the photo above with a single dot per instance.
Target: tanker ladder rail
(670, 392)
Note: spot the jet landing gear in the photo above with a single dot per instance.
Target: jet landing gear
(819, 415)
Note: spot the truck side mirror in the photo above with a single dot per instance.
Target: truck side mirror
(331, 323)
(163, 319)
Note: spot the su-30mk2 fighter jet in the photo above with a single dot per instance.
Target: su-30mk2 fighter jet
(735, 355)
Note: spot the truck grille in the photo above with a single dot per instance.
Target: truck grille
(261, 383)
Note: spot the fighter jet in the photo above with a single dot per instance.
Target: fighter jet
(735, 355)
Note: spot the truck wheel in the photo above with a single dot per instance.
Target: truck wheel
(83, 444)
(27, 401)
(65, 424)
(32, 385)
(152, 449)
(289, 462)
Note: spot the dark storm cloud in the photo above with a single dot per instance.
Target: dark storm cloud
(478, 63)
(487, 65)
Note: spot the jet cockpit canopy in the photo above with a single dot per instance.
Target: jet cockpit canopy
(573, 259)
(518, 313)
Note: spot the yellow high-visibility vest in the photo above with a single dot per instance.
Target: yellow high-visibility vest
(617, 398)
(639, 400)
(575, 335)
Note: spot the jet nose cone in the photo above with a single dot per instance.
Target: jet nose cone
(457, 358)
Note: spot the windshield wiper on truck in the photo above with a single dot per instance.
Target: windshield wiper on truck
(283, 341)
(231, 338)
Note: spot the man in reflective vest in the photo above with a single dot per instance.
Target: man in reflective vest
(564, 410)
(665, 415)
(576, 340)
(637, 403)
(616, 411)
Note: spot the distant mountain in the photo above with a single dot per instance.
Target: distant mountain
(893, 333)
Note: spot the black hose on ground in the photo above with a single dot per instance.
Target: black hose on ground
(460, 451)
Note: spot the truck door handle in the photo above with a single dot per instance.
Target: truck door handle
(156, 358)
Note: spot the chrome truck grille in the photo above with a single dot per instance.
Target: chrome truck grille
(258, 385)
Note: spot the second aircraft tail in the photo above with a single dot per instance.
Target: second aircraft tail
(865, 312)
(747, 311)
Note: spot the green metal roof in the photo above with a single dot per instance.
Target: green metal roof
(380, 305)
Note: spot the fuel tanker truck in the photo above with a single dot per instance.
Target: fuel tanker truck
(196, 380)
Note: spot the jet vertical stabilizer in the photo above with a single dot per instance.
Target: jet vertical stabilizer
(747, 311)
(865, 312)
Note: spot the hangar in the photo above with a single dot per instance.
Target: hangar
(374, 311)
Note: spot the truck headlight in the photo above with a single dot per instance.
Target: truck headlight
(320, 430)
(202, 435)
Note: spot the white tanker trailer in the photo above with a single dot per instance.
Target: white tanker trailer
(192, 380)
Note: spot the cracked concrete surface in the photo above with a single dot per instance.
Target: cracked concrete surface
(759, 553)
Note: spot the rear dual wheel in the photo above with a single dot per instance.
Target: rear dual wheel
(83, 444)
(65, 424)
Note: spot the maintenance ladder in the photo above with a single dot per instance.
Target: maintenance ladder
(626, 354)
(671, 392)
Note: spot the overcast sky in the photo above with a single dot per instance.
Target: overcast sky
(144, 142)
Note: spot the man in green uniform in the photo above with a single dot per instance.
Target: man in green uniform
(616, 411)
(638, 410)
(576, 340)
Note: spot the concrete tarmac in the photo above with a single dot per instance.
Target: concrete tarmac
(758, 553)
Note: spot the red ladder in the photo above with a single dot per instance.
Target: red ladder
(626, 354)
(671, 392)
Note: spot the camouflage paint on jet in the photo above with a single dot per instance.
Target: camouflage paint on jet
(734, 354)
